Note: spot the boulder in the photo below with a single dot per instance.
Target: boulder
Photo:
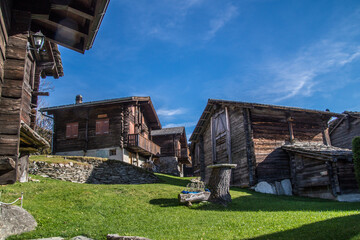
(287, 187)
(264, 187)
(15, 220)
(279, 189)
(118, 237)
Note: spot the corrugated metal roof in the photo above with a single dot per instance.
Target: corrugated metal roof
(168, 131)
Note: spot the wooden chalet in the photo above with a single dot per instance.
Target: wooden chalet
(254, 137)
(174, 150)
(344, 129)
(70, 23)
(117, 129)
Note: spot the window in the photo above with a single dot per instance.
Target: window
(112, 152)
(102, 126)
(72, 130)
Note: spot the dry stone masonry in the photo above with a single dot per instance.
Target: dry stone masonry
(93, 171)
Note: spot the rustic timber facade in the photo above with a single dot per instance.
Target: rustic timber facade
(73, 24)
(174, 153)
(117, 129)
(252, 136)
(344, 129)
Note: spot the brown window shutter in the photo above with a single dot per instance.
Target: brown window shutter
(98, 127)
(105, 126)
(68, 130)
(75, 130)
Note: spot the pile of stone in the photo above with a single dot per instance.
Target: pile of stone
(278, 188)
(94, 171)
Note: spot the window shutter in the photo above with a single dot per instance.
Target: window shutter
(68, 130)
(98, 127)
(75, 130)
(106, 126)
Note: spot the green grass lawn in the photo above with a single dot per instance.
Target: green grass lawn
(151, 210)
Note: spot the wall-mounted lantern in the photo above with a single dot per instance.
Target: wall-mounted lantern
(38, 40)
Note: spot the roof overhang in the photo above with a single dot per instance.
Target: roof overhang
(71, 23)
(319, 151)
(144, 102)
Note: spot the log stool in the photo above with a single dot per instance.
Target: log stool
(219, 183)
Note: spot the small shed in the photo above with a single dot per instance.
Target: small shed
(318, 170)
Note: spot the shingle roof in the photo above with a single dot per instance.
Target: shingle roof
(168, 131)
(318, 150)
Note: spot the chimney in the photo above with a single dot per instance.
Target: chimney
(78, 99)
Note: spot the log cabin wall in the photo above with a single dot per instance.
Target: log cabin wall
(271, 130)
(120, 117)
(343, 134)
(168, 143)
(87, 138)
(239, 149)
(13, 97)
(311, 178)
(5, 21)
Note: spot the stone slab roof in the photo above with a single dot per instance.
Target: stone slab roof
(319, 151)
(168, 131)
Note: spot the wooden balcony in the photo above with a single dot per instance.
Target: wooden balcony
(144, 146)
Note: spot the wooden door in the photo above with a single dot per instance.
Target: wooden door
(221, 141)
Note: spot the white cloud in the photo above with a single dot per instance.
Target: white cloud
(303, 74)
(219, 22)
(298, 76)
(170, 112)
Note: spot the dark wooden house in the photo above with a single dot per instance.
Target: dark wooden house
(117, 129)
(344, 129)
(252, 136)
(73, 24)
(174, 153)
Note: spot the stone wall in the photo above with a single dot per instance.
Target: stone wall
(93, 171)
(169, 165)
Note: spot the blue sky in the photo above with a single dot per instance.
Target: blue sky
(180, 53)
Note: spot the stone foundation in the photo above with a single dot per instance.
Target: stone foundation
(94, 171)
(169, 165)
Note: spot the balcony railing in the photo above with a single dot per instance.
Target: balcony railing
(142, 145)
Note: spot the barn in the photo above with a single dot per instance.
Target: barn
(254, 137)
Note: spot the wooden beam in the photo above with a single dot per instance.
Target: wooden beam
(52, 58)
(250, 154)
(291, 131)
(58, 38)
(80, 12)
(41, 93)
(56, 23)
(213, 140)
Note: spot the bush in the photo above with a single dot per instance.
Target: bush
(356, 157)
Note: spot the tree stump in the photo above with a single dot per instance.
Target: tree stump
(219, 183)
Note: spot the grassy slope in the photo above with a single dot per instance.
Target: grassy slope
(151, 210)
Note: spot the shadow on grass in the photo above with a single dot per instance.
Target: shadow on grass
(165, 202)
(265, 202)
(272, 203)
(336, 228)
